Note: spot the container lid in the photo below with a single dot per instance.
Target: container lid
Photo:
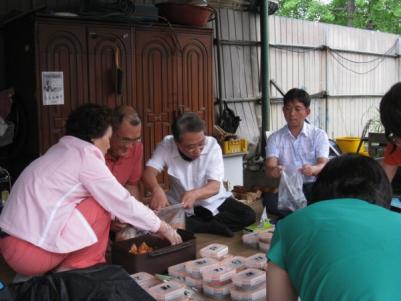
(141, 277)
(264, 246)
(257, 261)
(249, 278)
(266, 236)
(219, 273)
(193, 282)
(250, 238)
(197, 266)
(214, 251)
(170, 290)
(147, 284)
(257, 293)
(217, 290)
(236, 262)
(176, 268)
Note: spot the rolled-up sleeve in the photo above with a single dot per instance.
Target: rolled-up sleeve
(272, 149)
(158, 161)
(215, 166)
(322, 145)
(112, 196)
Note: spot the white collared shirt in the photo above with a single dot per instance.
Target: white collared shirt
(312, 143)
(187, 175)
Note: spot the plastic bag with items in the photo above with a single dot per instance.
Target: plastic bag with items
(173, 215)
(290, 194)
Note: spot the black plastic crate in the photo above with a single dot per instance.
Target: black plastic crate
(157, 261)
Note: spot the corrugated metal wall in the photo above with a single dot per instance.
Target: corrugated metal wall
(240, 63)
(355, 67)
(354, 81)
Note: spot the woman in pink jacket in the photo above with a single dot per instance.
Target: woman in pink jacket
(59, 211)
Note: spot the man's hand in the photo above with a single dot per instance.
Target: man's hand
(117, 226)
(307, 170)
(189, 198)
(277, 171)
(158, 199)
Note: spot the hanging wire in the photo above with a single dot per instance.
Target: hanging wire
(333, 55)
(370, 61)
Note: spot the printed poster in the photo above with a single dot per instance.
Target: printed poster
(52, 88)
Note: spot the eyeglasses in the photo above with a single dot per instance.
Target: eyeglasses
(193, 147)
(128, 141)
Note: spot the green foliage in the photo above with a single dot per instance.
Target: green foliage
(382, 15)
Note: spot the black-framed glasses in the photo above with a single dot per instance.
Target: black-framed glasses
(127, 140)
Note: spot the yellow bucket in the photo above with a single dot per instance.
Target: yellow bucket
(350, 145)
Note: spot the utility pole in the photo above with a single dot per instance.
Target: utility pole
(350, 12)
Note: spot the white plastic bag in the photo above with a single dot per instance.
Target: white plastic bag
(290, 194)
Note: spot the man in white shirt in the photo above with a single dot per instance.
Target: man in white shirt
(296, 146)
(195, 167)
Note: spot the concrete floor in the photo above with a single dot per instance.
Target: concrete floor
(235, 245)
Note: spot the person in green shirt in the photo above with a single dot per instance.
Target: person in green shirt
(346, 245)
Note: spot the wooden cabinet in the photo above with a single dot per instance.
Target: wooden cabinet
(165, 70)
(173, 75)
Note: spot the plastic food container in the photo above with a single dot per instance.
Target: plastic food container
(251, 239)
(194, 282)
(236, 262)
(249, 279)
(218, 276)
(217, 292)
(195, 267)
(257, 261)
(256, 294)
(168, 291)
(263, 246)
(266, 236)
(147, 284)
(216, 251)
(141, 277)
(177, 271)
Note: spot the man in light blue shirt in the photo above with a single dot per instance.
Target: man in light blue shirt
(296, 146)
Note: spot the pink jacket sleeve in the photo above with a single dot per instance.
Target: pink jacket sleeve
(112, 196)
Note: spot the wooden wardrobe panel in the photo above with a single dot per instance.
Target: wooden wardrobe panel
(156, 84)
(62, 48)
(105, 45)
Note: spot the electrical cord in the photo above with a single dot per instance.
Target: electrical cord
(333, 55)
(370, 61)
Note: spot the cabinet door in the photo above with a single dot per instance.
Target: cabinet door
(60, 48)
(196, 82)
(109, 49)
(156, 83)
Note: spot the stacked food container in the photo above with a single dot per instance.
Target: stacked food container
(217, 274)
(194, 271)
(259, 239)
(249, 285)
(168, 291)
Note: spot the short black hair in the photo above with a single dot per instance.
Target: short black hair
(353, 176)
(89, 121)
(128, 113)
(297, 94)
(187, 122)
(390, 112)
